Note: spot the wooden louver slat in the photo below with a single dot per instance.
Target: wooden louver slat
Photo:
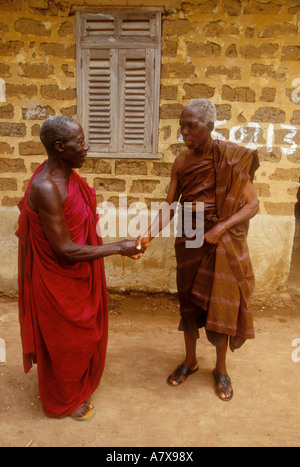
(99, 27)
(131, 27)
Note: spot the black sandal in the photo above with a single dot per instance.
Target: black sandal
(181, 370)
(225, 381)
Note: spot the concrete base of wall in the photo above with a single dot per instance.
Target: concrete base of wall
(270, 242)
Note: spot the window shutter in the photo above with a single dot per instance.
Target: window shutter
(118, 83)
(136, 69)
(98, 95)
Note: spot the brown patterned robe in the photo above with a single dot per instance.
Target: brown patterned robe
(215, 282)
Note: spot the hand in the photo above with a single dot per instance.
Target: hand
(214, 234)
(131, 249)
(142, 243)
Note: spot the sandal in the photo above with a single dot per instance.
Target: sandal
(83, 413)
(225, 381)
(181, 370)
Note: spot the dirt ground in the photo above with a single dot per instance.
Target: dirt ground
(135, 406)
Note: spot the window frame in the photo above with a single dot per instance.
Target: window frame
(119, 46)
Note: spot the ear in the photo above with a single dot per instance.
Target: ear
(59, 146)
(210, 126)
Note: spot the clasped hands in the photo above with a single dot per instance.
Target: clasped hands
(135, 249)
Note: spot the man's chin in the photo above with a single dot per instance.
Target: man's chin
(79, 164)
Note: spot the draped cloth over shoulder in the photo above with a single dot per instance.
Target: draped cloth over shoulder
(229, 309)
(62, 307)
(216, 282)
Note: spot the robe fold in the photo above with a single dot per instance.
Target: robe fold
(215, 282)
(62, 307)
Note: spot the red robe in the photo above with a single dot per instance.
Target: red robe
(62, 307)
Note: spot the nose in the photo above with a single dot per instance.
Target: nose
(184, 130)
(86, 147)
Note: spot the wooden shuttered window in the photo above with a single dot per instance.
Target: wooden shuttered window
(118, 79)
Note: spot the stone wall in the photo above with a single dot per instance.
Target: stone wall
(243, 55)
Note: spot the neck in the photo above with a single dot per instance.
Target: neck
(204, 148)
(57, 167)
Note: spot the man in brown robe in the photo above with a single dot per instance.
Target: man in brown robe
(215, 281)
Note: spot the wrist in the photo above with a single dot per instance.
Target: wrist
(118, 248)
(224, 226)
(147, 236)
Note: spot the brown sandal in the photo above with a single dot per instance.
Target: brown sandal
(83, 413)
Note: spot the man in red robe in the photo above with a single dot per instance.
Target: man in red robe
(215, 280)
(62, 288)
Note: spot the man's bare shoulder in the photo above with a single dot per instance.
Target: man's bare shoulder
(43, 191)
(43, 184)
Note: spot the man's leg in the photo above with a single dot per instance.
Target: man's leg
(190, 352)
(223, 391)
(190, 361)
(221, 352)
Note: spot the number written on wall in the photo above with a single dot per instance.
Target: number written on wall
(249, 135)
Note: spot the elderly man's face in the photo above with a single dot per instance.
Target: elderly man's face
(75, 150)
(194, 131)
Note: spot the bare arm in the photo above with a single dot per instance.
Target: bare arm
(48, 202)
(249, 210)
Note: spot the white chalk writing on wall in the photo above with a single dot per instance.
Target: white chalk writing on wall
(296, 92)
(239, 133)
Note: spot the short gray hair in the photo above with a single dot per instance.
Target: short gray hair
(56, 128)
(205, 108)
